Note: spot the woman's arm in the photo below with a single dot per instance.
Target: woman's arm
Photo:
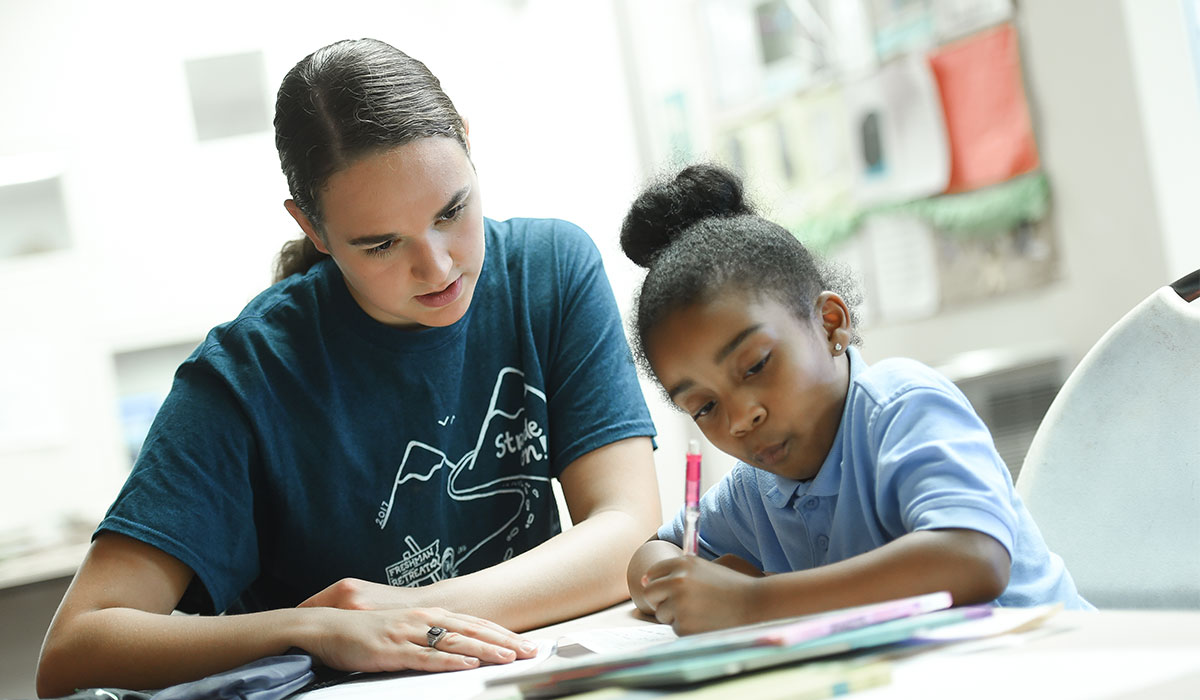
(612, 494)
(114, 629)
(694, 595)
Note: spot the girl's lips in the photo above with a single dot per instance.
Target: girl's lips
(772, 455)
(444, 297)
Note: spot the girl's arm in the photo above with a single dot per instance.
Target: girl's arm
(114, 628)
(612, 494)
(694, 595)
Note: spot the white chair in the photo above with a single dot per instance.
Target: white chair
(1112, 476)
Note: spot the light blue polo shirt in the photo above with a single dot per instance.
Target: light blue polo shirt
(910, 454)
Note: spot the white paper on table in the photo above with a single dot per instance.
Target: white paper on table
(621, 639)
(1001, 621)
(451, 685)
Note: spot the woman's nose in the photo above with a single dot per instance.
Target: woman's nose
(431, 260)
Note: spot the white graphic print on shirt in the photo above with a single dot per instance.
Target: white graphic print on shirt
(503, 433)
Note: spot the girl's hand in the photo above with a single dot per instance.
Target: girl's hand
(693, 595)
(733, 561)
(393, 640)
(357, 594)
(646, 556)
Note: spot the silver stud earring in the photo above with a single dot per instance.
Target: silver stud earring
(837, 347)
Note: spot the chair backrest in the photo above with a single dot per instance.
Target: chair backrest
(1112, 476)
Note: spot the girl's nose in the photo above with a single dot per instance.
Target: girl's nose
(746, 416)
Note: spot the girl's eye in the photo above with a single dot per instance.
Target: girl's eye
(381, 248)
(453, 214)
(758, 366)
(704, 410)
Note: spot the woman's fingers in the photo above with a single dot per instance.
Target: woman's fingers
(485, 631)
(455, 643)
(393, 640)
(465, 637)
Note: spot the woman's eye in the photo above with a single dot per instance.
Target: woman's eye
(704, 410)
(381, 248)
(758, 366)
(452, 214)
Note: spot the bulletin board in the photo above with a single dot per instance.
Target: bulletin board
(894, 135)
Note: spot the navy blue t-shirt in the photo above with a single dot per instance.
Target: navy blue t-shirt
(305, 442)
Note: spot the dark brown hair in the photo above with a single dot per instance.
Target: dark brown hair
(698, 237)
(342, 102)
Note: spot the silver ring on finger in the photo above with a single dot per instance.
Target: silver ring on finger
(435, 635)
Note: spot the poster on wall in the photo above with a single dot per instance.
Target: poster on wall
(820, 146)
(987, 117)
(900, 150)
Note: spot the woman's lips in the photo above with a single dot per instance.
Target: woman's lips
(444, 297)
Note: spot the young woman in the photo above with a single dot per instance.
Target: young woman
(366, 451)
(856, 483)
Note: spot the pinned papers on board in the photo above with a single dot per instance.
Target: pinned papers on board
(986, 115)
(904, 260)
(819, 146)
(900, 150)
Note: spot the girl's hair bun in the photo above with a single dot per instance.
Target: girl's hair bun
(667, 208)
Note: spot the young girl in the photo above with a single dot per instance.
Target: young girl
(855, 483)
(361, 462)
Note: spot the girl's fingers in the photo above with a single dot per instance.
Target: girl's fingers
(663, 568)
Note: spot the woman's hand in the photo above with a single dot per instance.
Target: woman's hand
(392, 640)
(693, 595)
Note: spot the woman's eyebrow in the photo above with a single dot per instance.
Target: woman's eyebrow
(377, 238)
(455, 199)
(372, 240)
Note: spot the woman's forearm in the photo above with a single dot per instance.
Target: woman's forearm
(128, 648)
(577, 572)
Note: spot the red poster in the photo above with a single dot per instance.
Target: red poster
(987, 117)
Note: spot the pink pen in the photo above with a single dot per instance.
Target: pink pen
(691, 499)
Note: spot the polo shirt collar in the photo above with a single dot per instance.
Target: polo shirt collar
(829, 476)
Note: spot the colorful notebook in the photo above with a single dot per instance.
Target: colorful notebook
(727, 652)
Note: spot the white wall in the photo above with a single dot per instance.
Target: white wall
(174, 236)
(1164, 71)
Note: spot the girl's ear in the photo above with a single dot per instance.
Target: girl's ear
(306, 225)
(835, 322)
